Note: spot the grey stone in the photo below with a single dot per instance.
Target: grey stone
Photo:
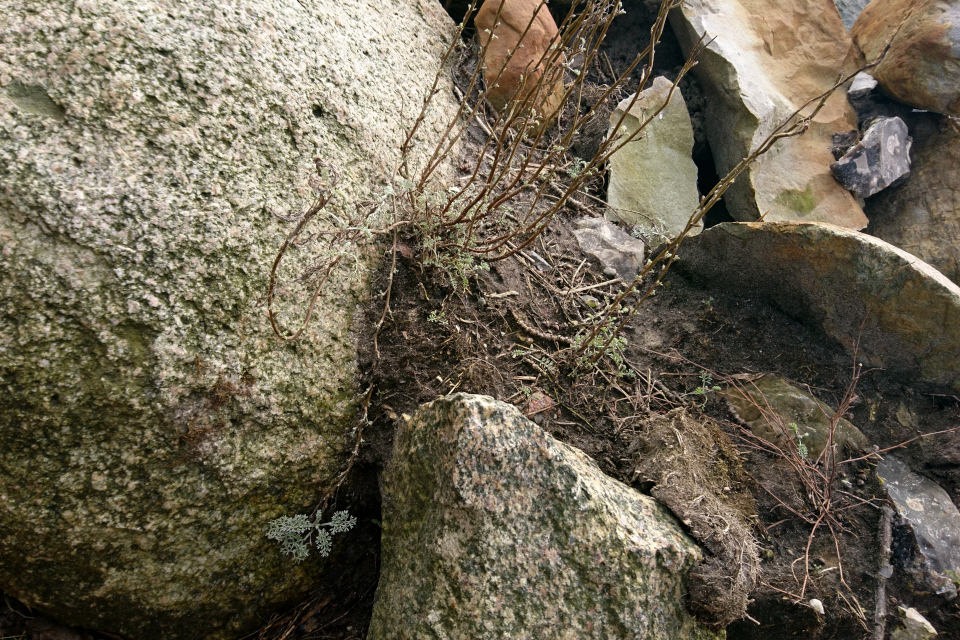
(492, 529)
(849, 10)
(653, 179)
(613, 247)
(150, 423)
(840, 281)
(877, 161)
(862, 84)
(913, 626)
(922, 216)
(756, 72)
(933, 520)
(771, 406)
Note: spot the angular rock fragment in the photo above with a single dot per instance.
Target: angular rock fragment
(515, 78)
(922, 67)
(932, 520)
(913, 626)
(881, 158)
(613, 247)
(840, 281)
(862, 84)
(786, 415)
(762, 64)
(922, 215)
(653, 179)
(492, 529)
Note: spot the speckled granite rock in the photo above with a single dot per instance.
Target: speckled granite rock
(830, 277)
(762, 64)
(493, 529)
(922, 215)
(143, 147)
(922, 67)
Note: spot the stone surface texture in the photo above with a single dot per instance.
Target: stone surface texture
(653, 179)
(762, 65)
(611, 245)
(150, 423)
(771, 405)
(492, 529)
(913, 626)
(839, 280)
(849, 10)
(881, 158)
(922, 67)
(927, 511)
(922, 216)
(515, 78)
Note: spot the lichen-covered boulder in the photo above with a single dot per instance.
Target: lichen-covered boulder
(896, 311)
(492, 529)
(922, 67)
(763, 63)
(150, 423)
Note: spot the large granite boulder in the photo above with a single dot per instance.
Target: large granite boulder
(922, 67)
(922, 215)
(653, 179)
(762, 64)
(492, 529)
(150, 423)
(903, 313)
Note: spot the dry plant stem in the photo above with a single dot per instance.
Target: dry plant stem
(880, 610)
(319, 203)
(608, 147)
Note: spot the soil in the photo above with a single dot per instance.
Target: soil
(507, 334)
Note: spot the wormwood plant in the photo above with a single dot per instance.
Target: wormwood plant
(294, 533)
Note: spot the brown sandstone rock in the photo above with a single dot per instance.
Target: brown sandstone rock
(904, 314)
(516, 77)
(763, 63)
(922, 67)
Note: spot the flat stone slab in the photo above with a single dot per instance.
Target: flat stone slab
(840, 280)
(493, 529)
